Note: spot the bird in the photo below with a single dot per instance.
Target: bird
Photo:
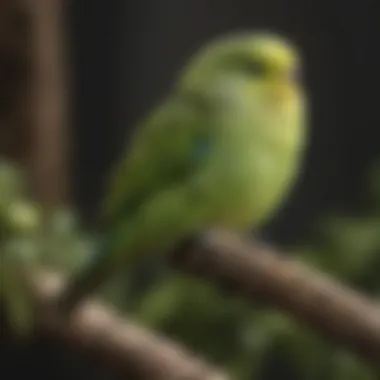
(221, 150)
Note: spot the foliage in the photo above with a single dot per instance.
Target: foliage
(31, 237)
(222, 329)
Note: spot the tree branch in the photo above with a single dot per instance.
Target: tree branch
(131, 349)
(48, 101)
(337, 312)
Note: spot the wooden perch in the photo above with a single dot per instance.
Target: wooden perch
(338, 313)
(132, 350)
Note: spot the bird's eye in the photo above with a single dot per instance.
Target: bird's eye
(256, 68)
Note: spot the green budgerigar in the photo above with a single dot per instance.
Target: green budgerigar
(221, 151)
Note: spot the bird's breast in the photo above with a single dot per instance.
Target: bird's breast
(250, 186)
(253, 172)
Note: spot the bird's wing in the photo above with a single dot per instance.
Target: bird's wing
(168, 148)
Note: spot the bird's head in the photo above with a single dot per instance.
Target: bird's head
(264, 60)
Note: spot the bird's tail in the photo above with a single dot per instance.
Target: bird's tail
(88, 280)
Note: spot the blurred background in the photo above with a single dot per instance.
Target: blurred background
(66, 114)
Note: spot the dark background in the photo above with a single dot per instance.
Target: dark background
(124, 56)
